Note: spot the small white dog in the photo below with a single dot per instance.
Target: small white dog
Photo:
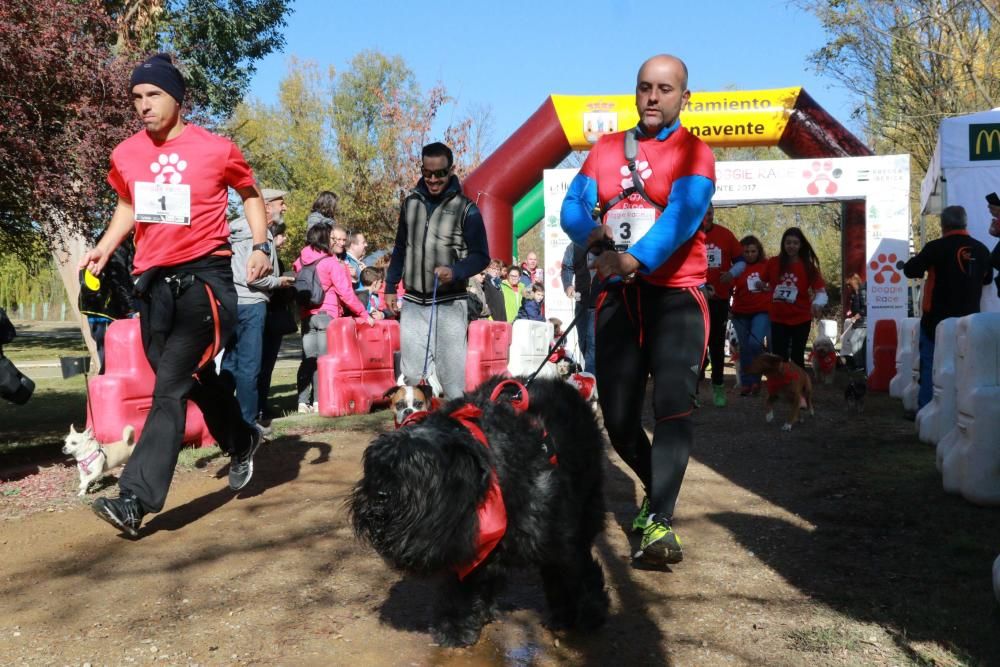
(92, 459)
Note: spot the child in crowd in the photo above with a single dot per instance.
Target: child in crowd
(533, 305)
(373, 282)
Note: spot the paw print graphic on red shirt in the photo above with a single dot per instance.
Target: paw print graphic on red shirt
(885, 269)
(168, 168)
(641, 167)
(821, 171)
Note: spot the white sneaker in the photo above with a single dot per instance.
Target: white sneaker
(305, 408)
(314, 408)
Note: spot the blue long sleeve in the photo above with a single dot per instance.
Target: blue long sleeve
(575, 214)
(478, 247)
(688, 202)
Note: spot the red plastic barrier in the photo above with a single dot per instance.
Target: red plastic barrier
(124, 394)
(488, 351)
(884, 342)
(357, 368)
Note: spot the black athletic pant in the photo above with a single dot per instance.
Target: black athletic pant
(718, 315)
(183, 360)
(788, 341)
(643, 329)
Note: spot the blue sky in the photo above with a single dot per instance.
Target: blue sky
(510, 55)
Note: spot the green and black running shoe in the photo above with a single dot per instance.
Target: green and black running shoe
(641, 520)
(660, 544)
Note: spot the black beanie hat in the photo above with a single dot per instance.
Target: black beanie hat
(159, 70)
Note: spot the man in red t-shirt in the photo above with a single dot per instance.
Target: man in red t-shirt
(172, 181)
(725, 263)
(653, 183)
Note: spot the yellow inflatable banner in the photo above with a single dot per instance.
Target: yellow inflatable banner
(728, 118)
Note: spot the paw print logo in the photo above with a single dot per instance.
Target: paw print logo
(821, 172)
(754, 281)
(168, 168)
(641, 167)
(884, 267)
(789, 279)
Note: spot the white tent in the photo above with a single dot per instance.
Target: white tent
(964, 169)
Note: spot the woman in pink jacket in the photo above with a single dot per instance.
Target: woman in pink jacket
(323, 244)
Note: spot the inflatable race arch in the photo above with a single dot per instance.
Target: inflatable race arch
(507, 185)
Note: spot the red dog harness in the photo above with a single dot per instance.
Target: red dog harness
(786, 375)
(827, 360)
(492, 512)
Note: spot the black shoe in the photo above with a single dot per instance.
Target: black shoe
(124, 512)
(241, 465)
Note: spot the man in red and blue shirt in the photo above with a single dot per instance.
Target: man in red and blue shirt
(172, 181)
(651, 315)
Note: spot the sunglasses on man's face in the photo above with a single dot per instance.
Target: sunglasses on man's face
(436, 173)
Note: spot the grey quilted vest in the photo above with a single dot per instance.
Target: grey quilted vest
(433, 242)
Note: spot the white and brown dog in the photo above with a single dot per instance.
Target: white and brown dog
(824, 359)
(404, 401)
(94, 459)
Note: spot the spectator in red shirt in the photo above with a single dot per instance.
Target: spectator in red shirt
(172, 181)
(724, 264)
(751, 302)
(798, 295)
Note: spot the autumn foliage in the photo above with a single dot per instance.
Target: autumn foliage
(62, 104)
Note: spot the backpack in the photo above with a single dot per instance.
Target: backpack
(309, 292)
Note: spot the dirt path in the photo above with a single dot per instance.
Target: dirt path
(832, 545)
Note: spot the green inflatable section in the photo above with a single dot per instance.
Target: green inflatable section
(528, 212)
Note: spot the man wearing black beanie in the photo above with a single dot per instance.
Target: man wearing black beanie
(172, 181)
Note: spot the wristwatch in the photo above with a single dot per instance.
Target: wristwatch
(263, 247)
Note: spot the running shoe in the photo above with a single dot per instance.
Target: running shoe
(660, 544)
(304, 408)
(241, 465)
(719, 395)
(124, 512)
(641, 520)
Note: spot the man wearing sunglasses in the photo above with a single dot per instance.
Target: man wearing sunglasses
(440, 244)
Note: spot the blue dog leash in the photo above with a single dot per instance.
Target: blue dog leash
(430, 331)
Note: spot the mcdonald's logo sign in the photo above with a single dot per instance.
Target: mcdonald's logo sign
(984, 142)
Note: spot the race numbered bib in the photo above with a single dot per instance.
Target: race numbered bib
(162, 203)
(714, 257)
(786, 293)
(628, 225)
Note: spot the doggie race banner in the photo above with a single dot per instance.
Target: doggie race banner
(881, 181)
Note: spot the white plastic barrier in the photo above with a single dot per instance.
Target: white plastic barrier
(939, 416)
(904, 356)
(971, 461)
(529, 347)
(911, 390)
(996, 578)
(828, 328)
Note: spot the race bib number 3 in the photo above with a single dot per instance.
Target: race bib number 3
(628, 225)
(162, 203)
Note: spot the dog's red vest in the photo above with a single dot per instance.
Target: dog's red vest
(775, 384)
(492, 512)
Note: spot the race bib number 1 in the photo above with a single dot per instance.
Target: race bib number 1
(162, 203)
(628, 225)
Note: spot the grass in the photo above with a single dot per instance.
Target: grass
(824, 639)
(45, 341)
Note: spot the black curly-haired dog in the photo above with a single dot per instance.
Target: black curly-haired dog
(417, 505)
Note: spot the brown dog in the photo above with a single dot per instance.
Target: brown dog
(404, 401)
(784, 378)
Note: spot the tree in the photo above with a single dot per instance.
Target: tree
(218, 41)
(911, 63)
(358, 133)
(61, 108)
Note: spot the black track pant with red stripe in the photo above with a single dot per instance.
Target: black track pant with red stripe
(185, 368)
(643, 329)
